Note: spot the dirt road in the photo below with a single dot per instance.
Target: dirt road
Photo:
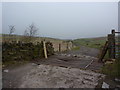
(48, 76)
(85, 58)
(93, 52)
(12, 78)
(73, 61)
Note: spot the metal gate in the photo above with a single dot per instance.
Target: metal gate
(112, 45)
(117, 45)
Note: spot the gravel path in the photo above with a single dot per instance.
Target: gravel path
(12, 78)
(47, 76)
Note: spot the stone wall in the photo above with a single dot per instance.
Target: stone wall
(24, 51)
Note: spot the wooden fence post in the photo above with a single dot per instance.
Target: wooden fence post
(45, 51)
(59, 47)
(67, 46)
(111, 46)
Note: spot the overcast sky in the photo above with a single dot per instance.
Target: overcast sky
(61, 20)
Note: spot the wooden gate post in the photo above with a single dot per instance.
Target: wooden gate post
(111, 45)
(45, 51)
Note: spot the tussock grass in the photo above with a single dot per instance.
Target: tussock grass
(76, 48)
(112, 70)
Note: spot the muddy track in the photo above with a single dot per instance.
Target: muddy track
(49, 76)
(93, 52)
(85, 58)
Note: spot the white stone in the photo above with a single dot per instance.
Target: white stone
(105, 85)
(116, 79)
(6, 70)
(34, 64)
(68, 55)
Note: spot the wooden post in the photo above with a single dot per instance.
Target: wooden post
(119, 46)
(72, 44)
(117, 54)
(59, 47)
(67, 46)
(45, 51)
(111, 45)
(113, 31)
(103, 52)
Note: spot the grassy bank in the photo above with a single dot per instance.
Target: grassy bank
(14, 63)
(112, 70)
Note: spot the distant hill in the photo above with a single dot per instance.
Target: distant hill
(6, 37)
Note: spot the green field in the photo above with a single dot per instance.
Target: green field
(91, 42)
(97, 43)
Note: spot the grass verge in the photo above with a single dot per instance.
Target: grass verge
(76, 48)
(112, 70)
(14, 63)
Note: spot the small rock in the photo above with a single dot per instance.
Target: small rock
(3, 66)
(108, 62)
(83, 82)
(118, 86)
(116, 79)
(80, 58)
(113, 60)
(83, 56)
(105, 85)
(68, 55)
(6, 71)
(34, 64)
(74, 55)
(116, 89)
(64, 54)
